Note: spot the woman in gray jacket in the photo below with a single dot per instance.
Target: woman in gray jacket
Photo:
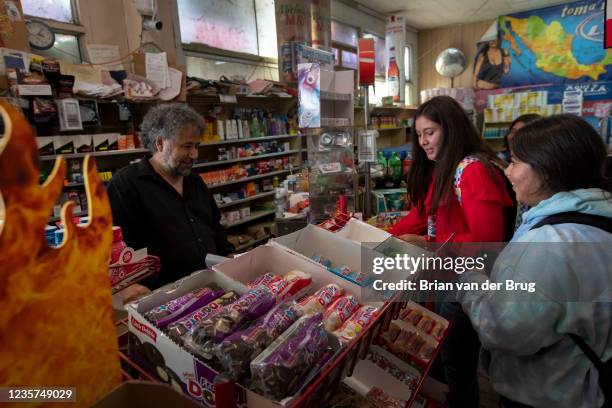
(556, 276)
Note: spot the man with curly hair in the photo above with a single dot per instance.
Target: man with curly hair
(161, 204)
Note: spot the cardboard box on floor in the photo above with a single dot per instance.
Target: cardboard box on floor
(140, 68)
(144, 394)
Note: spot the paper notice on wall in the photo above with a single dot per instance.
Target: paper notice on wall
(171, 92)
(83, 73)
(105, 54)
(157, 69)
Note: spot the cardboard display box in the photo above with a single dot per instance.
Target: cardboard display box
(363, 233)
(183, 371)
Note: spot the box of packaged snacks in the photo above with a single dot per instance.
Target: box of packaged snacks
(245, 320)
(394, 370)
(342, 257)
(363, 233)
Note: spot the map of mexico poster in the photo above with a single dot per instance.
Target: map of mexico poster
(556, 45)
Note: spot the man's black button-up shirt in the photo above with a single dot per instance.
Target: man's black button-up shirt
(179, 230)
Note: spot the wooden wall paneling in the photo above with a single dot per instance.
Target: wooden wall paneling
(434, 41)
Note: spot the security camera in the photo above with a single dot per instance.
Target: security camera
(149, 23)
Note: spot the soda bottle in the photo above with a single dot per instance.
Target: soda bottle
(393, 78)
(382, 161)
(395, 166)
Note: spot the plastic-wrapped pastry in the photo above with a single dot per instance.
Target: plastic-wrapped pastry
(356, 323)
(236, 352)
(321, 299)
(339, 312)
(285, 364)
(209, 332)
(173, 310)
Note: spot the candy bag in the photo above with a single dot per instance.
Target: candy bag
(237, 350)
(173, 310)
(339, 312)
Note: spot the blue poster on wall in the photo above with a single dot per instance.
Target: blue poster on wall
(556, 45)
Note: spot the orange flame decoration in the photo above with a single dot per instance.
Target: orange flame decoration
(56, 325)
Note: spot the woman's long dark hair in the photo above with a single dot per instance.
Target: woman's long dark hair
(459, 139)
(526, 119)
(565, 152)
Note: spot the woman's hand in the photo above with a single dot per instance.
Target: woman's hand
(413, 238)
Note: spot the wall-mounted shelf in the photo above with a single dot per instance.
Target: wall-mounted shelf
(335, 96)
(255, 215)
(243, 159)
(251, 178)
(96, 154)
(390, 129)
(248, 140)
(246, 200)
(251, 243)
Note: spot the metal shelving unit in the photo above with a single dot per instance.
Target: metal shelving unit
(95, 154)
(246, 179)
(248, 140)
(255, 215)
(246, 200)
(243, 159)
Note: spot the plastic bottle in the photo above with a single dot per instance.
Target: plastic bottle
(382, 161)
(393, 78)
(395, 167)
(255, 130)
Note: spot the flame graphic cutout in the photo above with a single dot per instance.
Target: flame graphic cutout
(56, 325)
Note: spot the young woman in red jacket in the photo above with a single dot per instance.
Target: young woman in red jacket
(455, 182)
(458, 193)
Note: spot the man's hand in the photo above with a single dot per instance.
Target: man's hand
(133, 292)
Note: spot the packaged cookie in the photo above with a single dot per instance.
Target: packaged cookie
(173, 310)
(339, 312)
(321, 299)
(388, 337)
(286, 363)
(211, 331)
(356, 323)
(426, 324)
(177, 330)
(438, 330)
(411, 315)
(236, 351)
